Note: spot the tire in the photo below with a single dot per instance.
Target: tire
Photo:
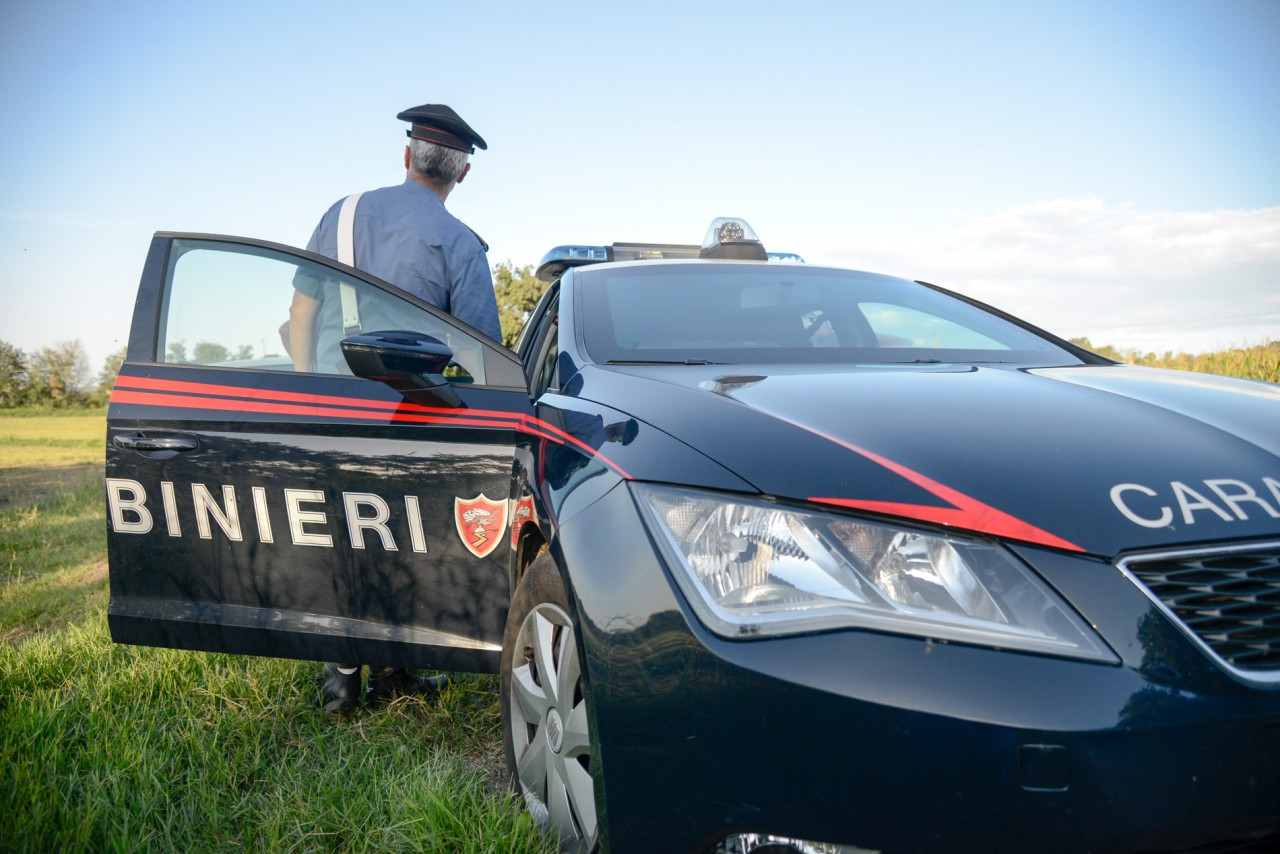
(546, 729)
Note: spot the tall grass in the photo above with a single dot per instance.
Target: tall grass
(52, 531)
(1253, 363)
(52, 565)
(115, 748)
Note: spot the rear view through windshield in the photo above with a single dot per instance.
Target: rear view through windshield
(787, 313)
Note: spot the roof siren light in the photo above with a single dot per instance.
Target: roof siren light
(731, 237)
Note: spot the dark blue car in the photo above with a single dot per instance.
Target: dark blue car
(770, 556)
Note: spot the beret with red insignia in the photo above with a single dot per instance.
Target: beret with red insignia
(441, 125)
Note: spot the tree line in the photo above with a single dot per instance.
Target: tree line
(57, 376)
(60, 376)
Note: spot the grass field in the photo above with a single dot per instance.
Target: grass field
(51, 437)
(114, 748)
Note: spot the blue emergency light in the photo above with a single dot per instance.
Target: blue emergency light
(727, 237)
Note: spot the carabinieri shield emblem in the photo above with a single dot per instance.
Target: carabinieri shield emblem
(480, 523)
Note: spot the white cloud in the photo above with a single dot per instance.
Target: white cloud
(1132, 278)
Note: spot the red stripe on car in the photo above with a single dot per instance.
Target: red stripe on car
(964, 512)
(192, 395)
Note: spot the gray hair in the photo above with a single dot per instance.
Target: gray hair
(437, 163)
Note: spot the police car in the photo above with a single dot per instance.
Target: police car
(770, 556)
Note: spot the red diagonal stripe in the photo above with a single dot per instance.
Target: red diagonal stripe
(965, 512)
(144, 398)
(232, 398)
(265, 394)
(533, 425)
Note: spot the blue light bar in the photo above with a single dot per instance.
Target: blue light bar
(728, 237)
(561, 258)
(585, 254)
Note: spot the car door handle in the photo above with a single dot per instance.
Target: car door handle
(166, 444)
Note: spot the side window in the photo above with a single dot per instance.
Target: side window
(548, 376)
(228, 305)
(544, 348)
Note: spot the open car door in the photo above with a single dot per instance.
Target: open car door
(253, 508)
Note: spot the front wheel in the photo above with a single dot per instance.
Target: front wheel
(545, 727)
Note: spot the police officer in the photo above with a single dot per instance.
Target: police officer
(402, 235)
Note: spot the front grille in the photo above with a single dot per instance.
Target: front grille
(1228, 599)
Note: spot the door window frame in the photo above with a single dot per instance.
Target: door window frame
(503, 369)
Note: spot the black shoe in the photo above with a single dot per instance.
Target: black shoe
(341, 691)
(388, 683)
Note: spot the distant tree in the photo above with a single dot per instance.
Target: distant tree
(107, 376)
(207, 352)
(13, 375)
(517, 290)
(177, 351)
(1105, 350)
(245, 351)
(60, 374)
(111, 367)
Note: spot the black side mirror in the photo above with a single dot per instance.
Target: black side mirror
(410, 362)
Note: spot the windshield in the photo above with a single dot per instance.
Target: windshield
(719, 313)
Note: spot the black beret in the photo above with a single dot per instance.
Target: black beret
(441, 125)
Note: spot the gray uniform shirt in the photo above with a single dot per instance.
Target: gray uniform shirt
(404, 235)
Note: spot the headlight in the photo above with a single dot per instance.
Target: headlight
(752, 568)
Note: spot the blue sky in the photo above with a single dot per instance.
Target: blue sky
(1109, 169)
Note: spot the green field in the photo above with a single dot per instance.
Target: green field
(114, 748)
(51, 437)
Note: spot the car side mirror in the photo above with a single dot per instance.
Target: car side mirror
(410, 362)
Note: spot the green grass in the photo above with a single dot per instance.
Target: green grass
(52, 565)
(50, 437)
(119, 748)
(116, 748)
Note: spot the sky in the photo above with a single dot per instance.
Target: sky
(1101, 169)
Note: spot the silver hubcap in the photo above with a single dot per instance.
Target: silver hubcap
(549, 729)
(555, 730)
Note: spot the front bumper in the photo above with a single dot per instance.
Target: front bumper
(902, 744)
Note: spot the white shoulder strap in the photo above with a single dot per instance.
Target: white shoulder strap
(347, 255)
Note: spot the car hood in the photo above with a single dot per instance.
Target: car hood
(1098, 459)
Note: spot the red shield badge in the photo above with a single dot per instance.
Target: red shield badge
(523, 513)
(480, 523)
